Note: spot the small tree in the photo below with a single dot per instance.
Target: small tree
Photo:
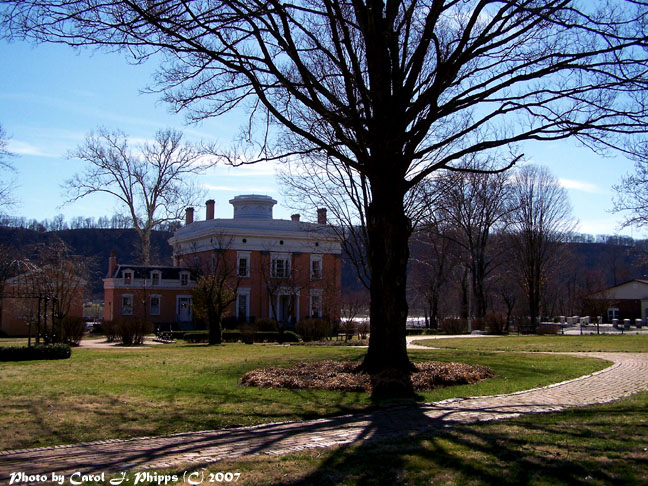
(149, 180)
(212, 295)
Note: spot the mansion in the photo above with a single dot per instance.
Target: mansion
(280, 269)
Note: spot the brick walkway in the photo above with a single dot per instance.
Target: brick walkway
(628, 374)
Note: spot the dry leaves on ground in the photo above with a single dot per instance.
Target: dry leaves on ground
(343, 375)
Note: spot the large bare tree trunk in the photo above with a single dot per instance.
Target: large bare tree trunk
(388, 231)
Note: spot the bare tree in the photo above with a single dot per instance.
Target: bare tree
(393, 90)
(152, 180)
(632, 195)
(540, 221)
(475, 204)
(6, 199)
(434, 258)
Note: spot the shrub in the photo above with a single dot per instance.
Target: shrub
(313, 329)
(108, 329)
(196, 336)
(266, 325)
(454, 326)
(544, 329)
(73, 329)
(247, 333)
(131, 330)
(39, 351)
(177, 334)
(494, 323)
(416, 331)
(231, 336)
(289, 337)
(363, 329)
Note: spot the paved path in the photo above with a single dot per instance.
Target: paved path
(628, 374)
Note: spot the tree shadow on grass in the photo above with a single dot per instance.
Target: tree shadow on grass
(558, 448)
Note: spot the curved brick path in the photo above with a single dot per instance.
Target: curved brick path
(628, 374)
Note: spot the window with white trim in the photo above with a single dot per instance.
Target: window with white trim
(316, 267)
(156, 276)
(243, 264)
(155, 305)
(184, 279)
(280, 265)
(243, 304)
(316, 303)
(128, 277)
(127, 305)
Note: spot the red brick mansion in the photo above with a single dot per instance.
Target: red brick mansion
(282, 269)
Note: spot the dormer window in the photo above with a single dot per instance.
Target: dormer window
(128, 277)
(155, 278)
(184, 279)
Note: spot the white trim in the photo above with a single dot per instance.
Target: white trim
(184, 274)
(307, 242)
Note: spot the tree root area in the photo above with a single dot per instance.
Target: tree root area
(344, 376)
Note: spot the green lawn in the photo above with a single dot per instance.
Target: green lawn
(175, 388)
(602, 445)
(637, 343)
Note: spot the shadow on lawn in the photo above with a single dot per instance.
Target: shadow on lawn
(405, 446)
(563, 448)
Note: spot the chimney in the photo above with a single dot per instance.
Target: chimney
(294, 217)
(321, 216)
(190, 214)
(112, 264)
(210, 209)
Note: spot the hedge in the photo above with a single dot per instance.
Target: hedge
(233, 336)
(39, 351)
(196, 336)
(420, 331)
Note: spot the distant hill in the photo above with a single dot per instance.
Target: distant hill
(95, 244)
(618, 262)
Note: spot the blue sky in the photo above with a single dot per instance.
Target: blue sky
(52, 96)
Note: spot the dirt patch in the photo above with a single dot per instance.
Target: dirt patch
(343, 375)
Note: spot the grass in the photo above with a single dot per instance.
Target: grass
(610, 343)
(177, 388)
(600, 445)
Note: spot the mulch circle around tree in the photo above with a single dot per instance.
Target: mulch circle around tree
(343, 376)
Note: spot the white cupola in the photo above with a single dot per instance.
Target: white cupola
(252, 206)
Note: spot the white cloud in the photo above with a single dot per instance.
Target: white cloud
(580, 186)
(601, 226)
(209, 187)
(241, 189)
(24, 148)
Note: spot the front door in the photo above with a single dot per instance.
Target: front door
(184, 309)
